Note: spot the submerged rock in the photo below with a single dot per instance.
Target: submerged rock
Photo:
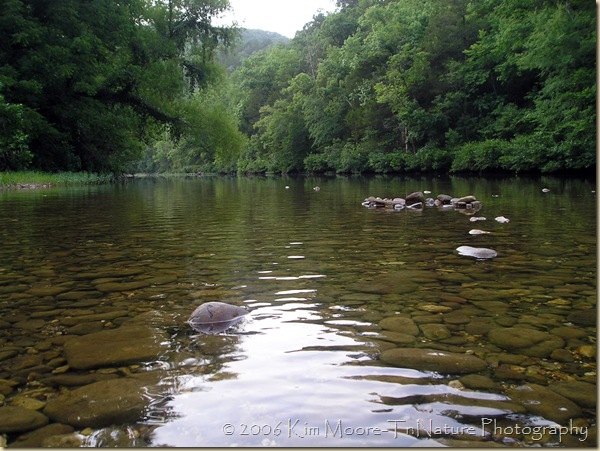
(37, 438)
(116, 347)
(400, 324)
(19, 419)
(477, 252)
(433, 360)
(435, 332)
(521, 340)
(582, 393)
(544, 402)
(101, 404)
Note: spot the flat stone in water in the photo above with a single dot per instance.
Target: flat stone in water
(545, 402)
(31, 324)
(122, 346)
(100, 404)
(477, 381)
(478, 232)
(76, 380)
(435, 331)
(434, 308)
(107, 316)
(35, 439)
(77, 295)
(583, 317)
(47, 291)
(397, 337)
(400, 324)
(433, 360)
(123, 286)
(582, 393)
(525, 341)
(477, 252)
(19, 419)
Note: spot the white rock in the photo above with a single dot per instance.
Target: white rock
(477, 252)
(477, 232)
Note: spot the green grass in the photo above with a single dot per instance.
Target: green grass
(53, 178)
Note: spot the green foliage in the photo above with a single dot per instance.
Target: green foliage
(85, 84)
(249, 43)
(414, 85)
(377, 86)
(14, 149)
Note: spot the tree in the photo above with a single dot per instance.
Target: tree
(95, 79)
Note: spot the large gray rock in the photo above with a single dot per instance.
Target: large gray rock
(101, 404)
(545, 402)
(521, 340)
(433, 360)
(18, 419)
(216, 317)
(116, 347)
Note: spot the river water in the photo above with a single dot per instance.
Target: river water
(351, 310)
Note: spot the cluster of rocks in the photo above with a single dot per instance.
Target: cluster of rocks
(27, 186)
(417, 200)
(435, 338)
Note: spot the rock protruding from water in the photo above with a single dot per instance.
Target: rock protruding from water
(417, 200)
(433, 360)
(123, 346)
(477, 252)
(216, 317)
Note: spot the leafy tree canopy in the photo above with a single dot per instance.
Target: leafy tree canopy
(86, 85)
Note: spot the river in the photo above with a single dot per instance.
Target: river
(365, 327)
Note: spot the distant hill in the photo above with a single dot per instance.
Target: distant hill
(251, 41)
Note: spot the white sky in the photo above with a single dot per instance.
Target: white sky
(282, 16)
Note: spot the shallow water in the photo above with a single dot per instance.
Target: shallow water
(319, 273)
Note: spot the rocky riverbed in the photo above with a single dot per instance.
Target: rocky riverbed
(94, 340)
(87, 364)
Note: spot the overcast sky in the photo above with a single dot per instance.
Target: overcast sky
(282, 16)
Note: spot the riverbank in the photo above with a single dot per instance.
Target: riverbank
(38, 179)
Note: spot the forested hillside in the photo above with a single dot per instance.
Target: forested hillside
(377, 86)
(426, 85)
(249, 42)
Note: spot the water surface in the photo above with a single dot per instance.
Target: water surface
(319, 273)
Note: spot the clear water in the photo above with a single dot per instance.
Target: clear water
(318, 272)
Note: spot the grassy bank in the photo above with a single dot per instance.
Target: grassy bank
(34, 179)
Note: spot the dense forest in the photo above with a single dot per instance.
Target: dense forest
(376, 86)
